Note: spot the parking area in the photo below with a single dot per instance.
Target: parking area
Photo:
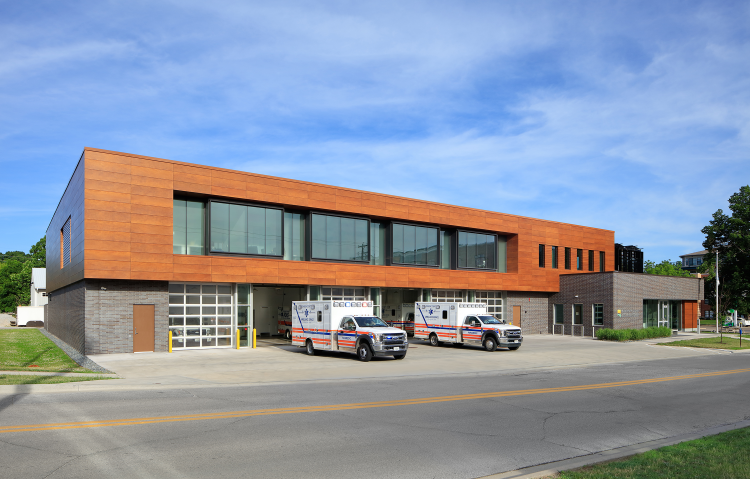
(277, 361)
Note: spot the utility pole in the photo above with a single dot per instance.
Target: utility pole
(717, 291)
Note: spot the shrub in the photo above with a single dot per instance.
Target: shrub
(633, 334)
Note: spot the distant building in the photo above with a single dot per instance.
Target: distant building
(38, 287)
(691, 261)
(628, 259)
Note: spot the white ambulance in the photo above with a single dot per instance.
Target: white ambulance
(402, 318)
(464, 323)
(349, 326)
(285, 323)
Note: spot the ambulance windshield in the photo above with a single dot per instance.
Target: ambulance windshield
(370, 322)
(490, 320)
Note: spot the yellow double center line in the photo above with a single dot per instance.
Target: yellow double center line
(344, 407)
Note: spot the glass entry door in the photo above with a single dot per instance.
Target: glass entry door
(663, 314)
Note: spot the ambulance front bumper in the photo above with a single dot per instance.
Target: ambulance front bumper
(505, 342)
(380, 349)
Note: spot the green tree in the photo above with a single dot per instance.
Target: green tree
(9, 286)
(665, 268)
(15, 275)
(17, 255)
(38, 254)
(730, 237)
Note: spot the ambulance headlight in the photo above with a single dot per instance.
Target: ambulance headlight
(502, 333)
(378, 337)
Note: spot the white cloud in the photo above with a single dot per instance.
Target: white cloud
(625, 116)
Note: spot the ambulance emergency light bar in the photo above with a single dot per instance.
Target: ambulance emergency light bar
(352, 304)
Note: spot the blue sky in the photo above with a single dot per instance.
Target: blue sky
(631, 116)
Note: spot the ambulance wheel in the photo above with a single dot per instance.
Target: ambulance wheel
(288, 334)
(434, 340)
(364, 353)
(399, 356)
(490, 344)
(309, 348)
(513, 348)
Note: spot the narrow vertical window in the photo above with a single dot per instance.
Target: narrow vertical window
(591, 260)
(567, 258)
(502, 247)
(601, 261)
(579, 259)
(445, 249)
(598, 314)
(541, 256)
(558, 313)
(188, 225)
(554, 257)
(378, 233)
(65, 254)
(294, 236)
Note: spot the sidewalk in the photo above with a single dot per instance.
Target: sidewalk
(280, 364)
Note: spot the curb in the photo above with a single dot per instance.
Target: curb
(551, 469)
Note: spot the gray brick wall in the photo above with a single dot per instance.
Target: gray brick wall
(632, 288)
(100, 321)
(534, 311)
(109, 314)
(617, 291)
(591, 288)
(65, 315)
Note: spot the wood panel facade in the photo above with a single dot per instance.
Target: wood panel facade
(126, 203)
(71, 206)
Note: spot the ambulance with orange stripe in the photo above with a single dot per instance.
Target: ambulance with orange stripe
(402, 318)
(464, 323)
(349, 326)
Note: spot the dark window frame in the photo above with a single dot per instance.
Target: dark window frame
(207, 247)
(555, 309)
(578, 306)
(389, 249)
(579, 259)
(555, 257)
(309, 238)
(567, 258)
(454, 253)
(594, 313)
(206, 225)
(541, 256)
(601, 261)
(591, 260)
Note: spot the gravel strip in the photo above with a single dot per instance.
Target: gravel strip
(81, 359)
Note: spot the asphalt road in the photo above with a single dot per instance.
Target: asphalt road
(496, 425)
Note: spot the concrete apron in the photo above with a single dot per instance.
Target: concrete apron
(287, 364)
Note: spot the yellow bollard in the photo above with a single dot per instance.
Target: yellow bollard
(253, 338)
(238, 338)
(170, 341)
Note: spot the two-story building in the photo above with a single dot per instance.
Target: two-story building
(141, 246)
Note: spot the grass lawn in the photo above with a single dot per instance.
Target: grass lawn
(13, 379)
(730, 342)
(30, 350)
(725, 456)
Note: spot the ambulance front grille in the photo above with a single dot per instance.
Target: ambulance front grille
(395, 339)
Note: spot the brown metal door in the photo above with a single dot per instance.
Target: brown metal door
(143, 327)
(517, 316)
